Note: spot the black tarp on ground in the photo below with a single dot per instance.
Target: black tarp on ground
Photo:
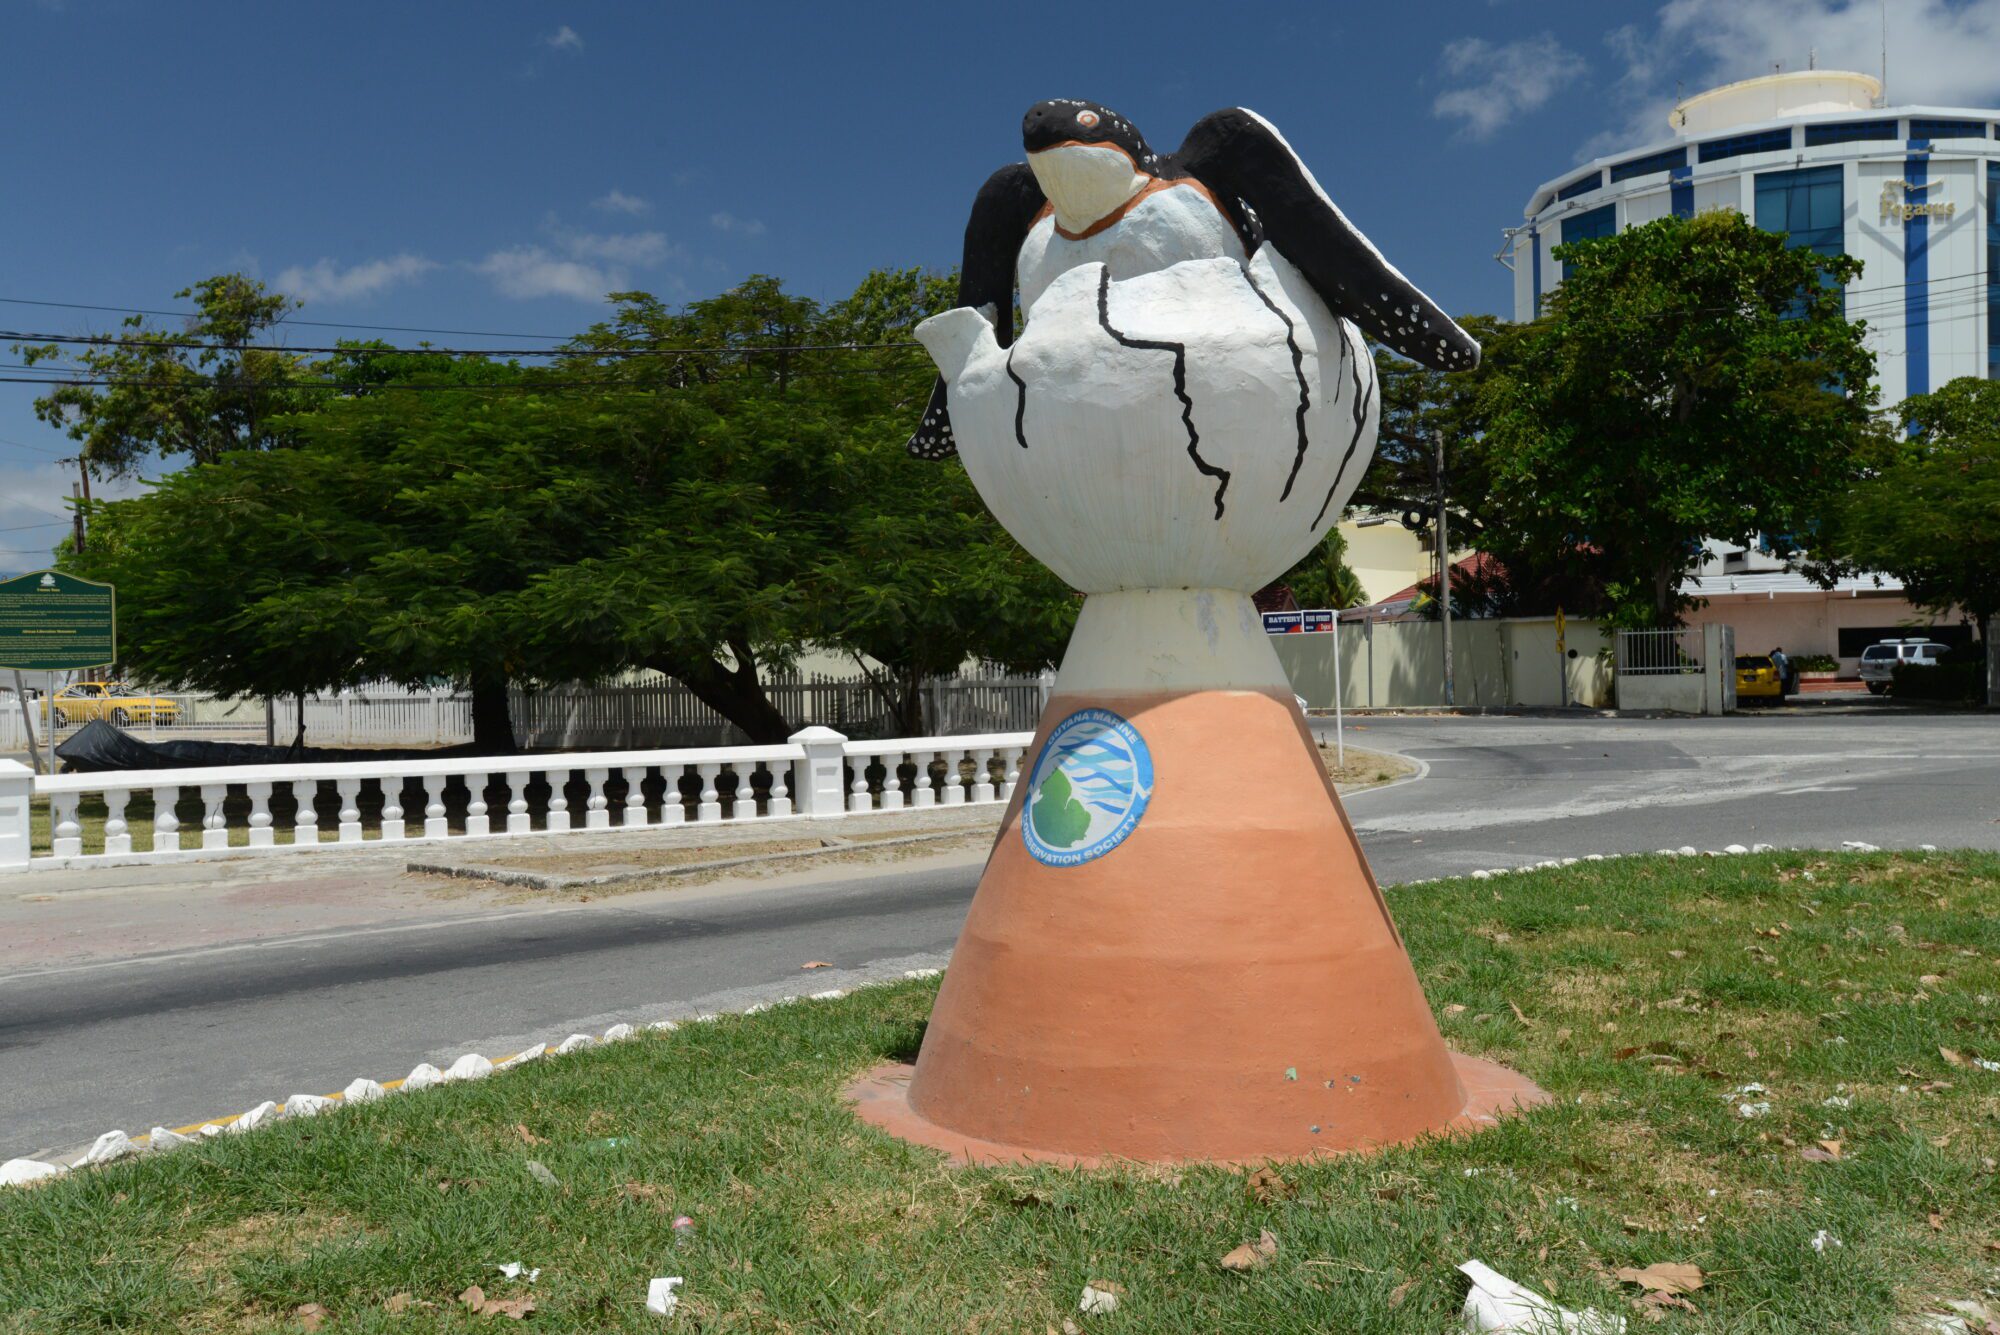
(98, 747)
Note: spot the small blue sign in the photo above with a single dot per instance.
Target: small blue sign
(1088, 788)
(1317, 621)
(1282, 623)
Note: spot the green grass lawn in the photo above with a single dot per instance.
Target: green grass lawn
(1640, 992)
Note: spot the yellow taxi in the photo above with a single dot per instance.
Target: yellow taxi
(1757, 678)
(82, 701)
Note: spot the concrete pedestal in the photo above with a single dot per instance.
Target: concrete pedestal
(1215, 978)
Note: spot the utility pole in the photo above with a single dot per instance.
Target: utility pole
(1444, 566)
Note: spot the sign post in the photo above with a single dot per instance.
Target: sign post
(1562, 656)
(51, 622)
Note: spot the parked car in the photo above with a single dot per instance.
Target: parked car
(1879, 660)
(1758, 678)
(82, 701)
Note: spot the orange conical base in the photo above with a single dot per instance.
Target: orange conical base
(1225, 984)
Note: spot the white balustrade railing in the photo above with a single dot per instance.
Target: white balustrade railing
(191, 813)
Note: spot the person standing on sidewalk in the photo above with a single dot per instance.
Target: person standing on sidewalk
(1788, 682)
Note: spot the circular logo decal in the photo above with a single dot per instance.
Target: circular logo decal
(1088, 789)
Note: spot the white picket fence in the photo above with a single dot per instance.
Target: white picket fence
(171, 815)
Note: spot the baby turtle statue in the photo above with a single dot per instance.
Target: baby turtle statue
(1177, 950)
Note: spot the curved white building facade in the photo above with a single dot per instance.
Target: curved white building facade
(1913, 192)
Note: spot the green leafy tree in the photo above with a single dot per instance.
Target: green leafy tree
(1321, 578)
(395, 539)
(1928, 511)
(192, 394)
(1692, 378)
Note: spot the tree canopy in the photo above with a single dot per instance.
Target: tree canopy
(1928, 509)
(1692, 378)
(704, 491)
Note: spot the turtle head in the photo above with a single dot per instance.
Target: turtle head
(1087, 158)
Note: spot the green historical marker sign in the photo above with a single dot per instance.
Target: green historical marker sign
(52, 622)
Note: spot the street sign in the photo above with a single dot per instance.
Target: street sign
(52, 622)
(1282, 623)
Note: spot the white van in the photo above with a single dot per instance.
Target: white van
(1878, 660)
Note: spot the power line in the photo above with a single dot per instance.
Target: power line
(318, 324)
(748, 350)
(22, 528)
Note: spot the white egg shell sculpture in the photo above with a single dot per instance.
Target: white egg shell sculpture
(1200, 426)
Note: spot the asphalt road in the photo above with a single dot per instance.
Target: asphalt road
(173, 1037)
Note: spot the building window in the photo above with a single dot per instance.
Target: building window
(1806, 205)
(1650, 165)
(1583, 185)
(1993, 272)
(1589, 226)
(1849, 132)
(1943, 129)
(1764, 141)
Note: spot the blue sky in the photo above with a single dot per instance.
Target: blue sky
(496, 166)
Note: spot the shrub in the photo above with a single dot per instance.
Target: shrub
(1958, 678)
(1816, 662)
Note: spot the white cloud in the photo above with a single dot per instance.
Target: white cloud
(729, 222)
(617, 201)
(583, 265)
(1494, 84)
(563, 39)
(1940, 52)
(531, 271)
(326, 281)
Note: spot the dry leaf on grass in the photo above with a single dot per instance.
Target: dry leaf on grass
(1252, 1255)
(1827, 1151)
(310, 1315)
(514, 1309)
(1265, 1185)
(1526, 1023)
(1663, 1277)
(528, 1137)
(1951, 1057)
(1454, 1009)
(400, 1302)
(1400, 1292)
(1653, 1307)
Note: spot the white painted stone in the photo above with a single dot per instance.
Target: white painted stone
(663, 1026)
(210, 1129)
(616, 1032)
(1688, 851)
(307, 1105)
(1664, 852)
(159, 1138)
(1763, 848)
(922, 973)
(574, 1043)
(261, 1115)
(20, 1172)
(108, 1147)
(471, 1066)
(1734, 848)
(1593, 857)
(1927, 848)
(1859, 846)
(523, 1057)
(362, 1090)
(1482, 875)
(831, 994)
(423, 1077)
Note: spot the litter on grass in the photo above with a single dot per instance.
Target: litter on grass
(1496, 1303)
(1100, 1298)
(514, 1270)
(660, 1295)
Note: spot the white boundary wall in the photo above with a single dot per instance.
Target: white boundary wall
(817, 774)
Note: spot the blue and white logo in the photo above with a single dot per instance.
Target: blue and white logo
(1088, 789)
